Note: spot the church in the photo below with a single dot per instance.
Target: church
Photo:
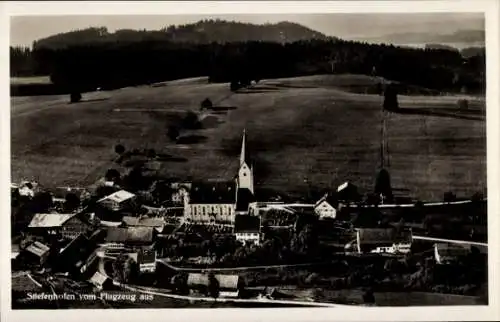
(219, 202)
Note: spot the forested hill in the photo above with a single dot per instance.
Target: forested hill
(201, 32)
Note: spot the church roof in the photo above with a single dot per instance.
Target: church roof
(243, 199)
(221, 192)
(246, 224)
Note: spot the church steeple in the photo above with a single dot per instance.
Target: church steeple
(245, 173)
(243, 153)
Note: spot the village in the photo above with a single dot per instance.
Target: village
(210, 239)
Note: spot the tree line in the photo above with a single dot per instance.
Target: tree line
(113, 64)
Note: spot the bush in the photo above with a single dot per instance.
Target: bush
(234, 86)
(463, 104)
(119, 149)
(206, 104)
(191, 121)
(75, 97)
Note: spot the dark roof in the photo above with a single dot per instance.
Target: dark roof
(222, 192)
(246, 223)
(129, 234)
(243, 199)
(376, 235)
(450, 250)
(143, 222)
(330, 198)
(225, 281)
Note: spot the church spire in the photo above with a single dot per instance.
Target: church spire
(243, 154)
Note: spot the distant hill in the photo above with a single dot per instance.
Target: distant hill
(204, 31)
(473, 51)
(459, 37)
(440, 46)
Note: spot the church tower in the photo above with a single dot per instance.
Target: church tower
(245, 173)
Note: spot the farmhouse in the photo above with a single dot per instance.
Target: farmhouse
(35, 255)
(100, 281)
(67, 226)
(347, 192)
(326, 207)
(228, 284)
(383, 240)
(117, 201)
(76, 255)
(130, 237)
(450, 253)
(157, 223)
(247, 229)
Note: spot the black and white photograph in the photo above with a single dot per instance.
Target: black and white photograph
(249, 160)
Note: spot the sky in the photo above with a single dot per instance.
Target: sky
(25, 29)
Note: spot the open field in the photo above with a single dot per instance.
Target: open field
(302, 133)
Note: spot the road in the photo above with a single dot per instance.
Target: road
(230, 269)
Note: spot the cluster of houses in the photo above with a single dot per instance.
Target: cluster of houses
(231, 204)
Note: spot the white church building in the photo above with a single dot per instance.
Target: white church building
(219, 202)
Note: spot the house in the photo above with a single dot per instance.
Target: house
(157, 223)
(129, 237)
(75, 255)
(326, 207)
(180, 194)
(66, 226)
(35, 255)
(117, 201)
(445, 253)
(247, 229)
(100, 281)
(211, 202)
(383, 240)
(228, 284)
(347, 192)
(146, 258)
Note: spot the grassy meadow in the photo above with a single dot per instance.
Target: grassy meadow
(303, 133)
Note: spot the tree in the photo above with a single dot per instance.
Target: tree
(391, 98)
(72, 202)
(368, 297)
(173, 132)
(463, 104)
(213, 286)
(112, 175)
(119, 149)
(234, 86)
(75, 97)
(151, 154)
(206, 104)
(449, 196)
(383, 185)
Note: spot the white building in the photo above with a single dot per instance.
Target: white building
(117, 200)
(450, 253)
(247, 229)
(326, 207)
(220, 201)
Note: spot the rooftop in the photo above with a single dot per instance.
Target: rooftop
(129, 234)
(218, 192)
(225, 281)
(246, 224)
(38, 249)
(118, 197)
(49, 220)
(143, 221)
(244, 198)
